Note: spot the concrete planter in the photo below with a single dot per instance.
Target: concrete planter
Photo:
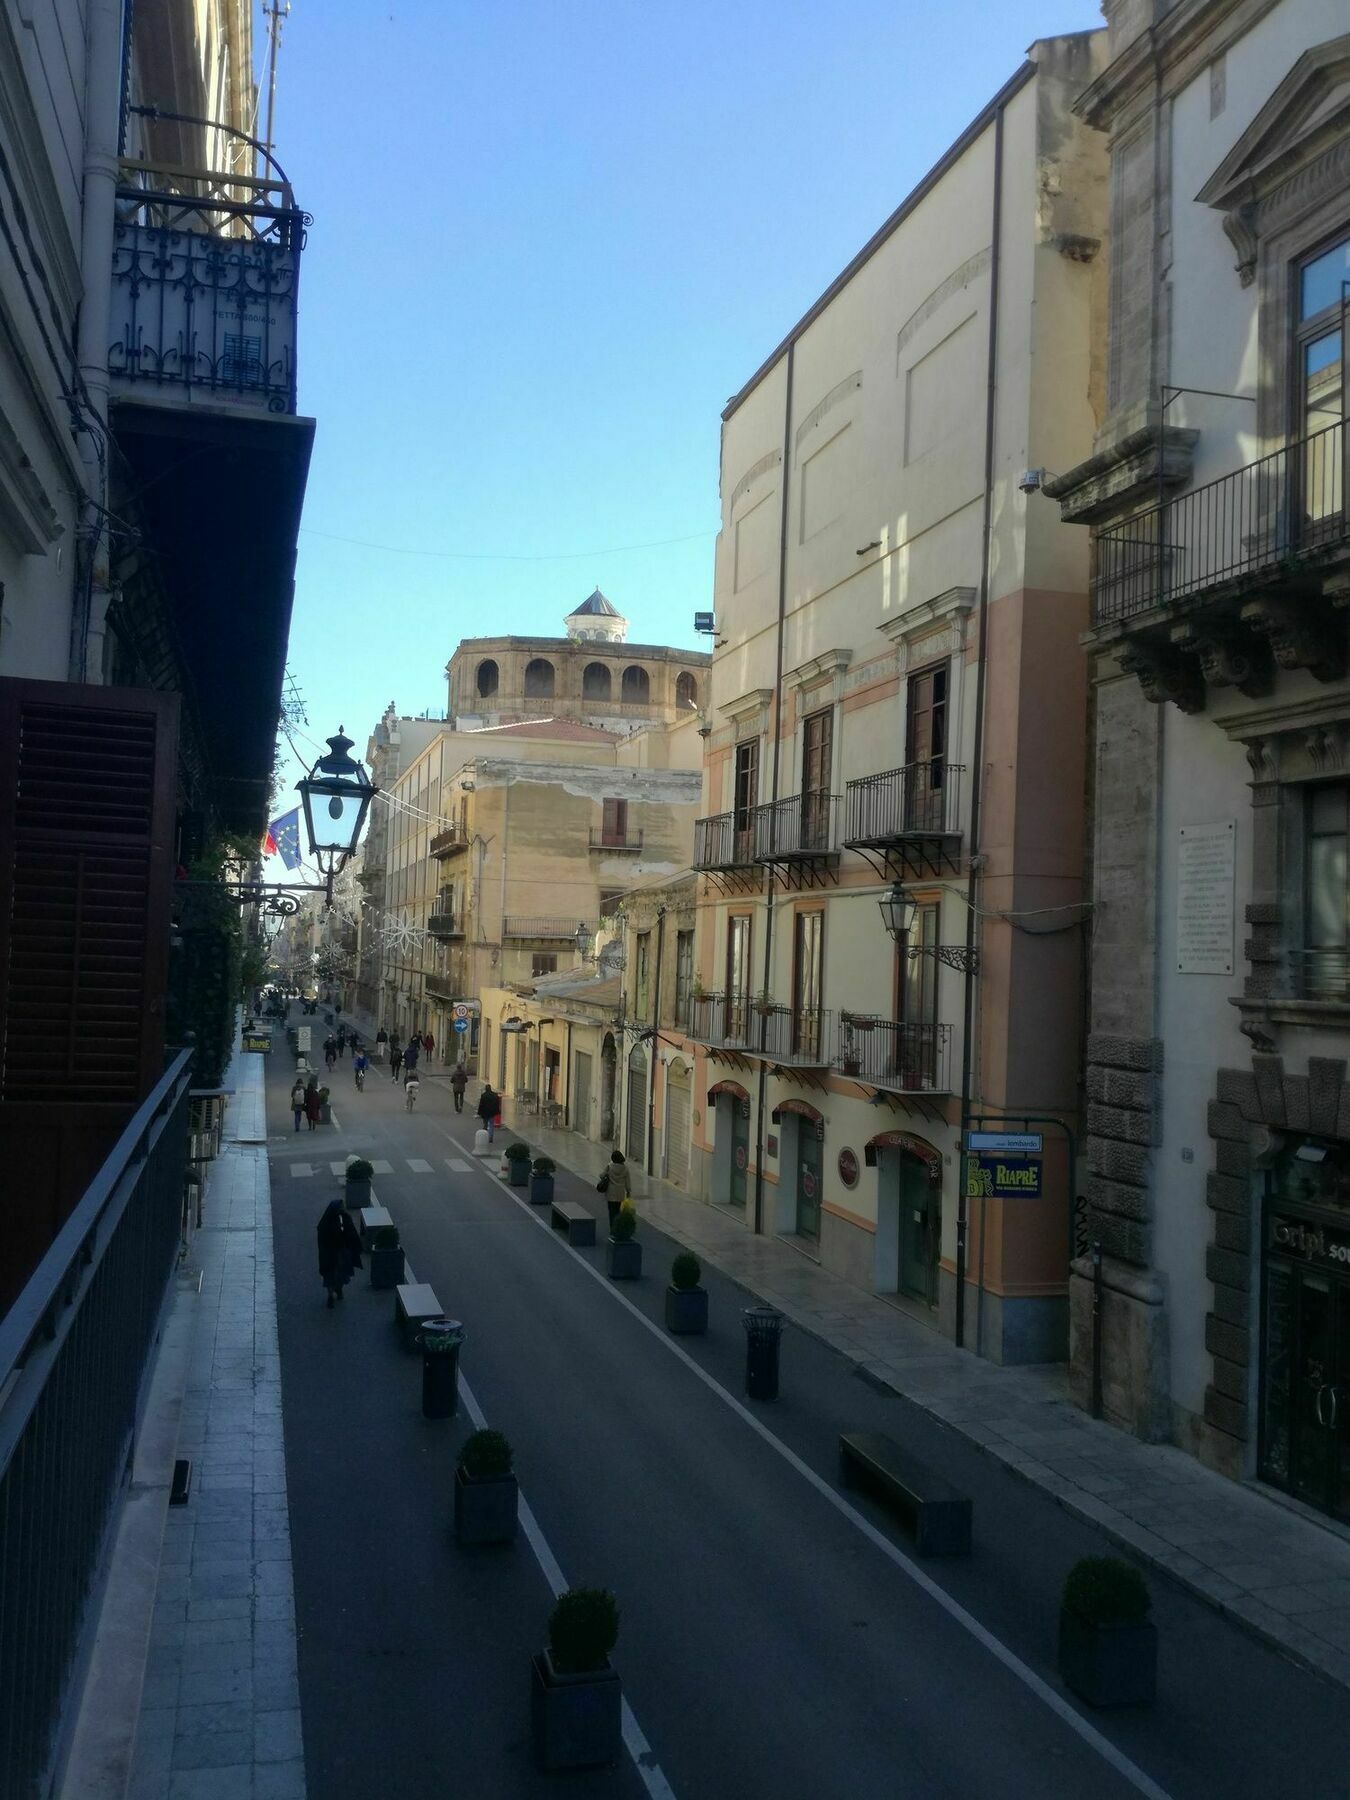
(325, 1114)
(1108, 1665)
(386, 1268)
(517, 1171)
(356, 1194)
(541, 1190)
(687, 1311)
(485, 1511)
(575, 1720)
(623, 1262)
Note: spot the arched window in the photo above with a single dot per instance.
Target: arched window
(686, 689)
(636, 685)
(539, 679)
(595, 682)
(487, 678)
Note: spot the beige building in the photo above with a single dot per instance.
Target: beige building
(657, 1104)
(1218, 1148)
(899, 696)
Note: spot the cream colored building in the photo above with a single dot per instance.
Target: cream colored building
(657, 1104)
(1218, 1146)
(900, 693)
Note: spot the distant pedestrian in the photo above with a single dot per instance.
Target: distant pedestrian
(298, 1101)
(395, 1061)
(616, 1184)
(412, 1054)
(342, 1040)
(382, 1036)
(339, 1249)
(458, 1082)
(330, 1050)
(489, 1109)
(411, 1088)
(428, 1043)
(313, 1104)
(360, 1063)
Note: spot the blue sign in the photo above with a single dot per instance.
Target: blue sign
(990, 1176)
(461, 1024)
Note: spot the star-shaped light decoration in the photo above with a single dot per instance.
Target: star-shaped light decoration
(400, 936)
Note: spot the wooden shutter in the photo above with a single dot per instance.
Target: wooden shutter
(86, 867)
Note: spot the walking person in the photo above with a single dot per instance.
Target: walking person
(330, 1052)
(313, 1104)
(459, 1080)
(489, 1109)
(428, 1044)
(616, 1184)
(395, 1061)
(298, 1100)
(412, 1055)
(339, 1249)
(342, 1040)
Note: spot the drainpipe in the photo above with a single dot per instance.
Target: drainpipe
(773, 782)
(656, 1033)
(103, 127)
(972, 876)
(567, 1080)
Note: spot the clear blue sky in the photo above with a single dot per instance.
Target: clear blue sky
(550, 239)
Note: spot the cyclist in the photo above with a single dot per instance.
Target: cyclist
(410, 1087)
(360, 1063)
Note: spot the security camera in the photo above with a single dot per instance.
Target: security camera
(1031, 480)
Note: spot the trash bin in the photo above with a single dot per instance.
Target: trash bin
(441, 1339)
(763, 1334)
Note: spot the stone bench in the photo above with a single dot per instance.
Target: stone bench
(414, 1301)
(938, 1513)
(572, 1218)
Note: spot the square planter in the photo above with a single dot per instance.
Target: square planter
(575, 1720)
(485, 1511)
(687, 1311)
(541, 1190)
(325, 1114)
(356, 1194)
(518, 1172)
(386, 1268)
(623, 1262)
(1108, 1665)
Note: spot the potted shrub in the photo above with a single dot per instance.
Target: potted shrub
(576, 1700)
(517, 1159)
(686, 1301)
(486, 1490)
(1108, 1645)
(386, 1257)
(357, 1183)
(623, 1253)
(763, 1003)
(541, 1181)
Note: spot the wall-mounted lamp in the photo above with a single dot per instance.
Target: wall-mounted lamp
(897, 911)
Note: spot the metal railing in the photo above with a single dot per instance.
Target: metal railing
(885, 1053)
(448, 842)
(921, 799)
(515, 926)
(724, 1020)
(205, 280)
(802, 826)
(798, 1036)
(444, 925)
(725, 841)
(73, 1352)
(615, 840)
(1289, 506)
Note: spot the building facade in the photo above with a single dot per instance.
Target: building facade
(657, 1105)
(1219, 1123)
(898, 694)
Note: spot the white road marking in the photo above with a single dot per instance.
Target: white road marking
(382, 1168)
(301, 1169)
(337, 1123)
(458, 1164)
(1129, 1771)
(417, 1166)
(338, 1168)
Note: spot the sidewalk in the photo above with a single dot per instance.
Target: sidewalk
(195, 1697)
(1272, 1568)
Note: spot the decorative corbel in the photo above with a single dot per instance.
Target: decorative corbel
(1325, 745)
(1229, 658)
(1301, 636)
(1263, 759)
(1164, 674)
(1240, 229)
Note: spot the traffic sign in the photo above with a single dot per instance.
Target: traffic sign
(1006, 1143)
(459, 1010)
(461, 1025)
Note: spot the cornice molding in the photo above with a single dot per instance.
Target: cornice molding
(807, 674)
(953, 603)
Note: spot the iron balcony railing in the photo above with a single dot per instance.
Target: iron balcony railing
(1289, 506)
(446, 925)
(797, 1036)
(515, 926)
(449, 842)
(921, 799)
(74, 1349)
(205, 283)
(802, 826)
(615, 840)
(725, 841)
(886, 1053)
(722, 1020)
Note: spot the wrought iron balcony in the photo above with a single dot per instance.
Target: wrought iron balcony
(725, 841)
(723, 1021)
(615, 840)
(445, 925)
(205, 279)
(553, 930)
(919, 800)
(1269, 518)
(789, 1036)
(448, 843)
(884, 1053)
(797, 829)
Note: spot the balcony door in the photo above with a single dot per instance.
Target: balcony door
(808, 950)
(926, 749)
(745, 798)
(916, 1003)
(1320, 351)
(737, 1021)
(817, 765)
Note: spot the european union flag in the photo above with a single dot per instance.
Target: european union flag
(283, 838)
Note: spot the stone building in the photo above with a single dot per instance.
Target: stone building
(658, 1105)
(1218, 1147)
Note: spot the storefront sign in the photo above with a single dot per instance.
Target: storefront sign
(848, 1167)
(1006, 1143)
(1205, 898)
(1307, 1242)
(993, 1177)
(261, 1041)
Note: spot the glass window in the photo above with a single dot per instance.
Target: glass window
(738, 974)
(1320, 280)
(684, 976)
(544, 962)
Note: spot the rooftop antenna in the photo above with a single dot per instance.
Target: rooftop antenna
(276, 12)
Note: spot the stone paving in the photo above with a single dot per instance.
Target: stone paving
(1274, 1568)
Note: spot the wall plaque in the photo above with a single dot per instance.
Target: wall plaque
(1205, 863)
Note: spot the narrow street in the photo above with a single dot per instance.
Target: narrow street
(768, 1643)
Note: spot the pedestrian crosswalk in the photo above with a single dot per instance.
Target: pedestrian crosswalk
(416, 1165)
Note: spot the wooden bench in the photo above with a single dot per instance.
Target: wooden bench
(369, 1220)
(938, 1512)
(571, 1217)
(413, 1302)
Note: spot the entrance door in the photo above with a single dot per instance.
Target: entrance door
(581, 1093)
(808, 1178)
(1307, 1450)
(635, 1146)
(608, 1087)
(733, 1119)
(918, 1229)
(678, 1092)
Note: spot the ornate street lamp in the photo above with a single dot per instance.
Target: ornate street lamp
(898, 910)
(336, 795)
(584, 937)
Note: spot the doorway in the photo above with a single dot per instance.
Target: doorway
(808, 1167)
(636, 1134)
(1305, 1438)
(581, 1093)
(679, 1094)
(609, 1080)
(731, 1150)
(909, 1220)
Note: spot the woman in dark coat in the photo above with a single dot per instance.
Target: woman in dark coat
(313, 1104)
(339, 1249)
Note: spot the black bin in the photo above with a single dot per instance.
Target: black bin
(763, 1335)
(441, 1339)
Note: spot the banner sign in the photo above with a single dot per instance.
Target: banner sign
(990, 1176)
(260, 1041)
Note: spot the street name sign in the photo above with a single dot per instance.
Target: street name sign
(1005, 1143)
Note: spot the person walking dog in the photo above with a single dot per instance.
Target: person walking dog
(339, 1249)
(459, 1080)
(616, 1184)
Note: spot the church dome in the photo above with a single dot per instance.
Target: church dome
(596, 621)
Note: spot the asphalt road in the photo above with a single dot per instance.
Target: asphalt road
(776, 1638)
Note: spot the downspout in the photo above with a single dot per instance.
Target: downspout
(567, 1080)
(103, 130)
(976, 786)
(773, 784)
(656, 1032)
